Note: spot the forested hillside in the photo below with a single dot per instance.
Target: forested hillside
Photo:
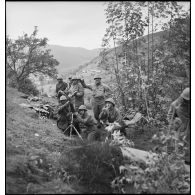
(145, 69)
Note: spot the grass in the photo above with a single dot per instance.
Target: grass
(37, 153)
(33, 147)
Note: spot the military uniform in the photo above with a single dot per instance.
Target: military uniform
(78, 98)
(110, 115)
(99, 93)
(86, 124)
(64, 111)
(180, 109)
(60, 86)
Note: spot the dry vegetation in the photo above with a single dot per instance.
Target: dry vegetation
(33, 147)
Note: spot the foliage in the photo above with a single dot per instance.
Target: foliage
(150, 72)
(116, 139)
(26, 86)
(147, 76)
(164, 173)
(164, 176)
(93, 164)
(27, 55)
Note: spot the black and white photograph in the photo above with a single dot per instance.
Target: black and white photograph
(98, 97)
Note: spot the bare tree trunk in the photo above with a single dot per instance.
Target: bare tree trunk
(148, 42)
(118, 77)
(139, 79)
(119, 81)
(152, 38)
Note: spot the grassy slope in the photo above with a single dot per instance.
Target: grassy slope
(29, 157)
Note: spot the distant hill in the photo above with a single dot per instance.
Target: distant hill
(72, 57)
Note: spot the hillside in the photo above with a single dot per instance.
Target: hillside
(91, 68)
(72, 57)
(33, 147)
(40, 159)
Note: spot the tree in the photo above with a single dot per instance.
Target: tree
(168, 54)
(28, 55)
(125, 24)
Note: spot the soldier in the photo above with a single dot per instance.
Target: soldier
(85, 121)
(110, 113)
(179, 114)
(64, 110)
(61, 86)
(100, 92)
(77, 93)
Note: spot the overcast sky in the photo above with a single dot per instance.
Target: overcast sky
(75, 24)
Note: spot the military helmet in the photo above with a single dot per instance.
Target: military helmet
(82, 107)
(59, 78)
(63, 98)
(110, 100)
(74, 78)
(97, 76)
(186, 94)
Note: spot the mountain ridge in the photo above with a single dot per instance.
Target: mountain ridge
(71, 57)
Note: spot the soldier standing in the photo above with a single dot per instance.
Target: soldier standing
(100, 92)
(60, 88)
(77, 93)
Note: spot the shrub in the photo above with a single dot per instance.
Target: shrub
(11, 80)
(165, 174)
(26, 86)
(94, 165)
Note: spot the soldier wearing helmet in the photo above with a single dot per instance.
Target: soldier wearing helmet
(179, 118)
(76, 92)
(85, 122)
(61, 86)
(99, 93)
(110, 113)
(64, 110)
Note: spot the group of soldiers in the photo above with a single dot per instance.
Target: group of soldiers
(71, 100)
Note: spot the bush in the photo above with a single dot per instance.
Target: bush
(166, 175)
(11, 80)
(26, 86)
(94, 165)
(166, 172)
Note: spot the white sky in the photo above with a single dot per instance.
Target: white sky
(76, 24)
